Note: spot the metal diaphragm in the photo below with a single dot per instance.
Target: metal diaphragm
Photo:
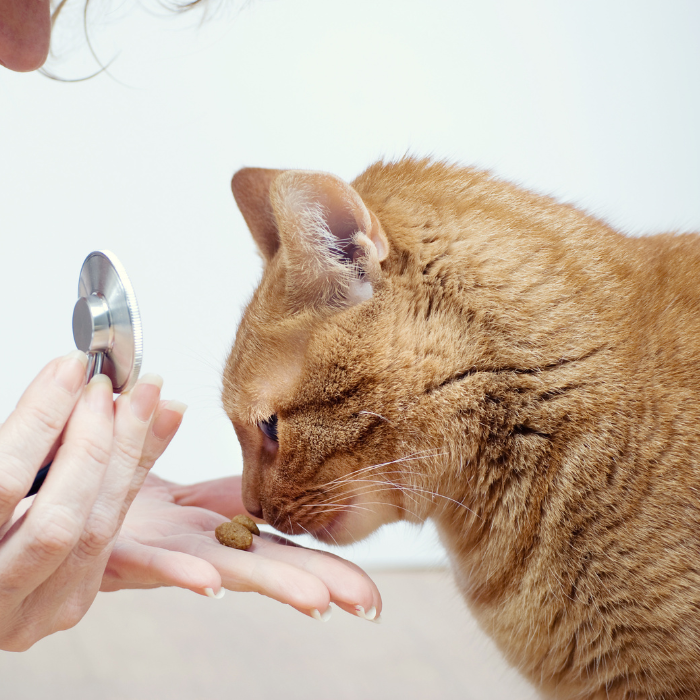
(106, 321)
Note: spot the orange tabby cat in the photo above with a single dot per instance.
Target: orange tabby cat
(433, 343)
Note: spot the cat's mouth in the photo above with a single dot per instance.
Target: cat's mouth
(328, 527)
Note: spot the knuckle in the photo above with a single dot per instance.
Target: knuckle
(12, 489)
(52, 419)
(70, 617)
(97, 537)
(56, 534)
(93, 449)
(20, 640)
(22, 631)
(131, 449)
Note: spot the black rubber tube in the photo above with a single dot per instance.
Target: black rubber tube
(39, 480)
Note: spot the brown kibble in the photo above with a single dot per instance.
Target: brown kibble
(247, 522)
(234, 535)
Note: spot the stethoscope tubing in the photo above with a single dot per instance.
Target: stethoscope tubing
(39, 480)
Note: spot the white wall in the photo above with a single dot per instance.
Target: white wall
(597, 103)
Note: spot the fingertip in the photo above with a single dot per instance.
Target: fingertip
(321, 616)
(209, 592)
(70, 371)
(144, 398)
(168, 419)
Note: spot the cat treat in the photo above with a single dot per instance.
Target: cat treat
(238, 533)
(247, 523)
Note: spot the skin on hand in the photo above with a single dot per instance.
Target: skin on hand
(53, 554)
(25, 33)
(168, 540)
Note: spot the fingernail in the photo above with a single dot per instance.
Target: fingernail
(377, 620)
(144, 397)
(71, 371)
(210, 593)
(322, 617)
(369, 615)
(99, 394)
(169, 419)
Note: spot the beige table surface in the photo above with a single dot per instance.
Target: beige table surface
(174, 645)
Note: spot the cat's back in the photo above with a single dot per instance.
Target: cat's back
(606, 329)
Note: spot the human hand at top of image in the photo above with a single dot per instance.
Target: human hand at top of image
(25, 33)
(54, 547)
(168, 540)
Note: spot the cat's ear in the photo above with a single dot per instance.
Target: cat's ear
(251, 190)
(332, 244)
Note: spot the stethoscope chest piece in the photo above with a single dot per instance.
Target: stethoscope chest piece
(106, 321)
(106, 326)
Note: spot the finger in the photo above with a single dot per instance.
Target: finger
(54, 524)
(164, 425)
(52, 452)
(246, 571)
(33, 427)
(220, 495)
(285, 554)
(350, 587)
(132, 419)
(137, 414)
(136, 565)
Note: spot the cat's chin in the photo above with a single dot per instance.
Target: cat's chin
(352, 525)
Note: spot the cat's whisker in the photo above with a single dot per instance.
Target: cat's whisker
(354, 483)
(417, 490)
(425, 454)
(353, 477)
(355, 506)
(372, 413)
(333, 506)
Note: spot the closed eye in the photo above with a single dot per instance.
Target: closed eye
(269, 427)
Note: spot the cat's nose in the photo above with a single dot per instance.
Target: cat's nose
(251, 499)
(256, 512)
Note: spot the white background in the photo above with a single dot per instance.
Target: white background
(596, 103)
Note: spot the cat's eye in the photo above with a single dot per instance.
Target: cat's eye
(269, 427)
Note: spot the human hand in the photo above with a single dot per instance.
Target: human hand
(53, 555)
(168, 540)
(25, 32)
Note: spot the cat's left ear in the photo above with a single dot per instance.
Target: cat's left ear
(251, 190)
(332, 243)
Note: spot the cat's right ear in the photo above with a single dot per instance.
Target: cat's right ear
(251, 190)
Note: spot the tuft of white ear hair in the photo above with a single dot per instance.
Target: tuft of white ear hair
(331, 243)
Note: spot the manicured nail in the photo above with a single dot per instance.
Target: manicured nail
(71, 372)
(377, 620)
(169, 419)
(322, 617)
(369, 615)
(210, 593)
(99, 394)
(145, 395)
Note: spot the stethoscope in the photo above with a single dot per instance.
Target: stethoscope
(106, 326)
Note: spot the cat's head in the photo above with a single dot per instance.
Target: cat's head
(302, 383)
(342, 382)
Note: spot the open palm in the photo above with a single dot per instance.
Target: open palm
(167, 539)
